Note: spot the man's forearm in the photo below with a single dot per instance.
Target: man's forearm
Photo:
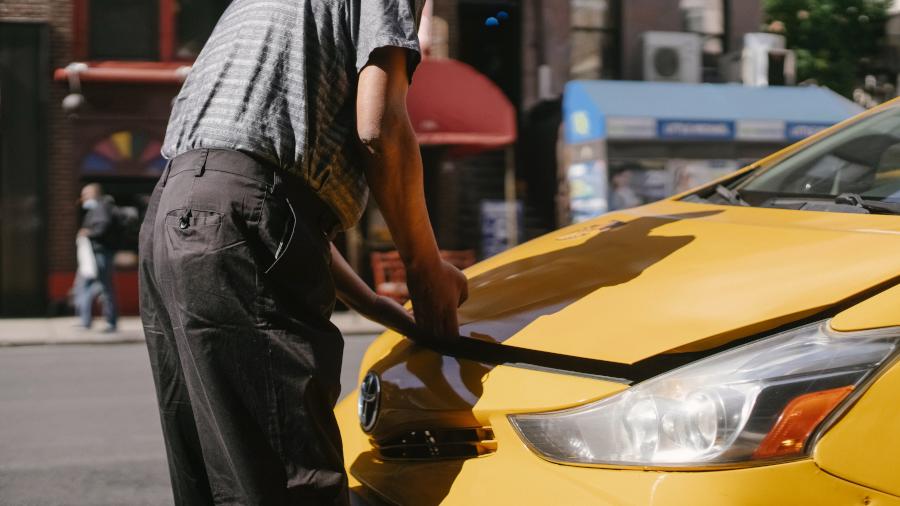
(394, 172)
(350, 289)
(391, 157)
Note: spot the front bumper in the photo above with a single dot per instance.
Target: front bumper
(515, 475)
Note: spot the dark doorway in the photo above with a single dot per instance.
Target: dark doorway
(490, 40)
(24, 84)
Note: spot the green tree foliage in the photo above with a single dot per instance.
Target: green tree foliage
(837, 42)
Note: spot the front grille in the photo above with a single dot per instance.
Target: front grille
(437, 444)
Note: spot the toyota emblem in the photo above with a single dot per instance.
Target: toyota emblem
(369, 400)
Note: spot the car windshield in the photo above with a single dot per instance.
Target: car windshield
(857, 169)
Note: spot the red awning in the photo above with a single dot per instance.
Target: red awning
(451, 103)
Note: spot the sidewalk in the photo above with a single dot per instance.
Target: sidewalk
(66, 330)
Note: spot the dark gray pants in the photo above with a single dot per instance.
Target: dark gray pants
(236, 295)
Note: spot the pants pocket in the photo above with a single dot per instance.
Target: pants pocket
(296, 279)
(208, 267)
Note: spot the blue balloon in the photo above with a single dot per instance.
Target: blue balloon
(502, 15)
(491, 21)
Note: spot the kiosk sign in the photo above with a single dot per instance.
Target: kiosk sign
(695, 129)
(798, 131)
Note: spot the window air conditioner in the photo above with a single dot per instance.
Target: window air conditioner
(673, 56)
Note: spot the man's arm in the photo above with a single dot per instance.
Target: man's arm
(356, 294)
(393, 168)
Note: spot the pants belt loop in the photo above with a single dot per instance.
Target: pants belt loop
(199, 167)
(165, 174)
(201, 163)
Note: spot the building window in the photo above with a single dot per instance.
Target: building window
(150, 30)
(707, 18)
(594, 39)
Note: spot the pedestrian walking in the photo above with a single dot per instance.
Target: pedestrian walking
(293, 112)
(96, 280)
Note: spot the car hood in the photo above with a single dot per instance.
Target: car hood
(676, 277)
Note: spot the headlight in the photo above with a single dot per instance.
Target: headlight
(760, 401)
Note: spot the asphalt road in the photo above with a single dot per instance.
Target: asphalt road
(79, 426)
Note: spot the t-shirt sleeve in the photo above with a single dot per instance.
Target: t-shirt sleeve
(386, 23)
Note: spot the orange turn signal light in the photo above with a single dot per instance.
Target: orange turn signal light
(799, 418)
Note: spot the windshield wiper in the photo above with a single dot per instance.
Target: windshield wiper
(731, 196)
(873, 206)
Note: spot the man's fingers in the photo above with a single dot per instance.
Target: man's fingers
(464, 293)
(450, 325)
(430, 322)
(434, 307)
(423, 317)
(439, 326)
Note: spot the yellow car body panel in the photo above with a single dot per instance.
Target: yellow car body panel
(515, 475)
(864, 447)
(584, 290)
(671, 277)
(882, 310)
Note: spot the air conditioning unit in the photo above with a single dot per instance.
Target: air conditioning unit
(766, 62)
(673, 56)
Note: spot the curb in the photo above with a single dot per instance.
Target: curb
(116, 341)
(68, 342)
(58, 331)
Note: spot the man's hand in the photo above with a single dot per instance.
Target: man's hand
(83, 232)
(436, 292)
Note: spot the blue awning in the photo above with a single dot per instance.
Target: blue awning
(640, 110)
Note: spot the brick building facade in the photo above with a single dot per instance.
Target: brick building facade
(60, 222)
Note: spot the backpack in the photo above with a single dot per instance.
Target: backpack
(125, 227)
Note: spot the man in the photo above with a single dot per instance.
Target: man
(293, 111)
(98, 226)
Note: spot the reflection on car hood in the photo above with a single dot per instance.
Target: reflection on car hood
(676, 277)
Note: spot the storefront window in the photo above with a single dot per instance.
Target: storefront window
(638, 181)
(151, 30)
(195, 22)
(594, 39)
(124, 29)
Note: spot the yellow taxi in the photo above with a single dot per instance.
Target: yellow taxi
(736, 344)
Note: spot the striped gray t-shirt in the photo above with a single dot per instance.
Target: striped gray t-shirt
(277, 80)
